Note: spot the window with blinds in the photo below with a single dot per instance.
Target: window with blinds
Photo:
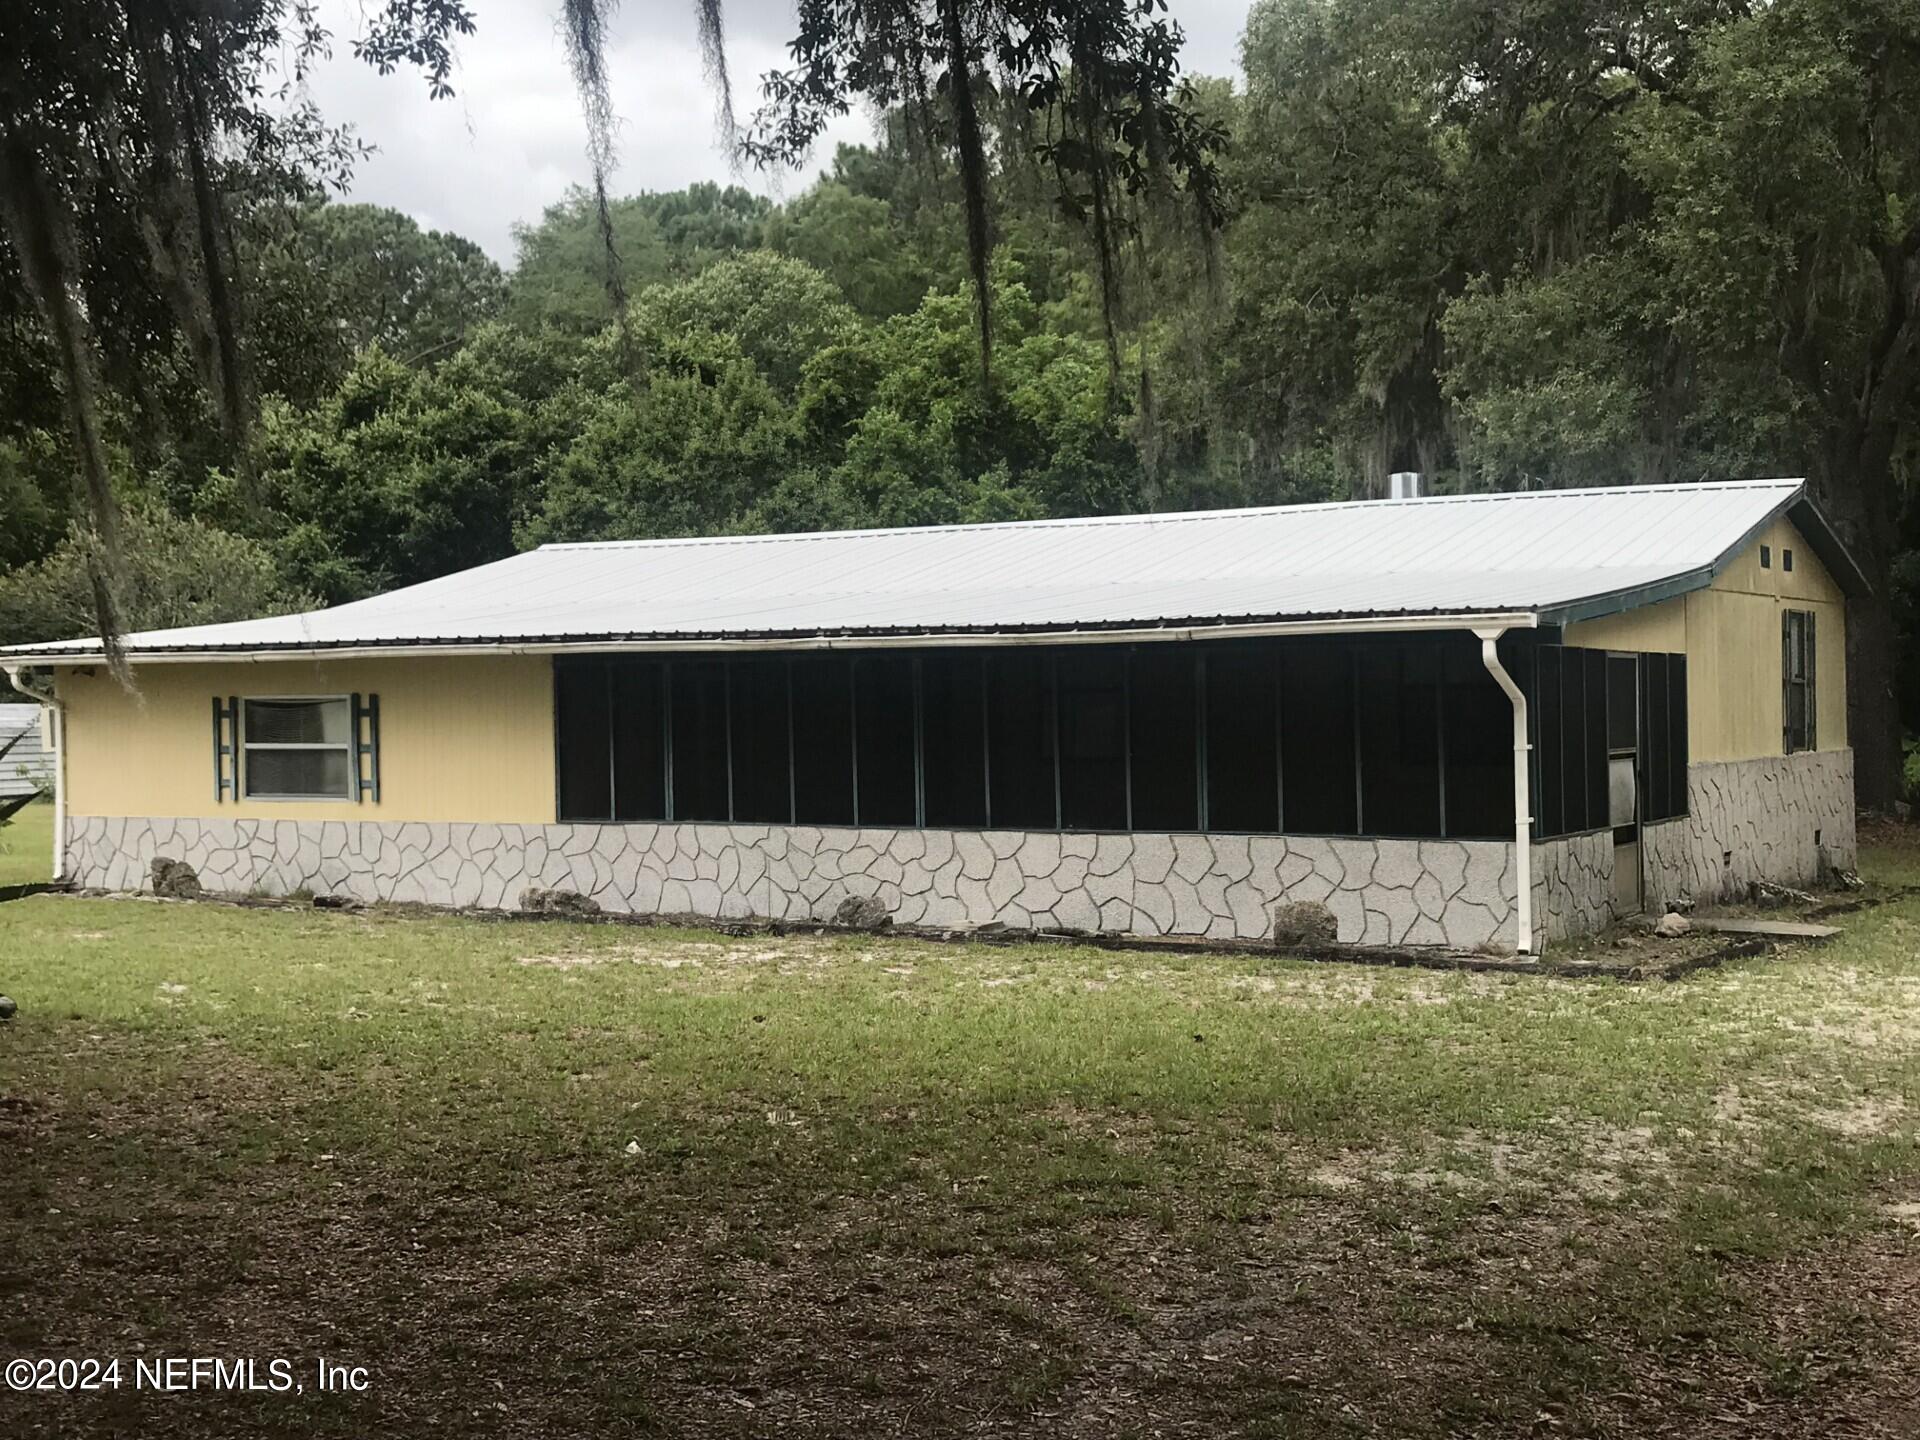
(297, 749)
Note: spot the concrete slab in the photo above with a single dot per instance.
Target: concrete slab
(1771, 929)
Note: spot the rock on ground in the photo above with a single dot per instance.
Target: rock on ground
(176, 879)
(557, 902)
(862, 912)
(1305, 922)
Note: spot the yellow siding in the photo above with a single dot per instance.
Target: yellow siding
(1808, 580)
(1652, 627)
(460, 738)
(1730, 634)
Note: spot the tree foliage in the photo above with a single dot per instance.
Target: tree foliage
(1102, 76)
(178, 572)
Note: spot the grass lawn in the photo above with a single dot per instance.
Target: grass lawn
(26, 846)
(553, 1180)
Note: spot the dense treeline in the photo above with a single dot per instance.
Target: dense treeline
(1587, 246)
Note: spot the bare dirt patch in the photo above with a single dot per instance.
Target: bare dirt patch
(1862, 1118)
(885, 1314)
(786, 955)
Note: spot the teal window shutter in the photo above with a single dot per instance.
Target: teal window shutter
(226, 749)
(366, 748)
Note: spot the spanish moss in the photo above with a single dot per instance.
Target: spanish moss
(39, 228)
(973, 170)
(584, 24)
(713, 59)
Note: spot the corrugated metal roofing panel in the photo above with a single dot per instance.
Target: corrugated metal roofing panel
(1520, 554)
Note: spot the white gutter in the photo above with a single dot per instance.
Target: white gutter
(1359, 625)
(58, 727)
(1522, 791)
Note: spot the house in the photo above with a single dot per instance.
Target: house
(23, 763)
(1473, 720)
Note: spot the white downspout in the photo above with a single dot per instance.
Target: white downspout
(1522, 788)
(58, 713)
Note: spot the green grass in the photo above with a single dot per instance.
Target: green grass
(560, 1178)
(26, 846)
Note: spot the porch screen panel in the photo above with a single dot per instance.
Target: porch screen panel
(1164, 720)
(702, 784)
(1596, 665)
(1243, 736)
(1677, 734)
(1477, 723)
(1317, 739)
(762, 790)
(584, 737)
(1093, 739)
(953, 734)
(1020, 740)
(637, 711)
(1663, 730)
(1400, 739)
(1656, 689)
(1549, 808)
(822, 739)
(884, 727)
(1573, 740)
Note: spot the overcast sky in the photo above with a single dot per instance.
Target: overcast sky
(511, 140)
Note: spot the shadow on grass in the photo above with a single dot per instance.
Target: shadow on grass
(21, 892)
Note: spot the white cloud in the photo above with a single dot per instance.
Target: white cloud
(512, 140)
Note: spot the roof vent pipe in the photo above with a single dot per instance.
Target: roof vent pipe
(1405, 485)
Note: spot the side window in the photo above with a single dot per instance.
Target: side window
(297, 749)
(1797, 680)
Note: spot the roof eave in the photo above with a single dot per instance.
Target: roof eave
(1616, 602)
(1811, 521)
(843, 640)
(1798, 508)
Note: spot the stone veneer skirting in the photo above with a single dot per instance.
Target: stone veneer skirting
(1573, 885)
(1782, 818)
(1382, 892)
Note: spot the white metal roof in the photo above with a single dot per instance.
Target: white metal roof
(1536, 557)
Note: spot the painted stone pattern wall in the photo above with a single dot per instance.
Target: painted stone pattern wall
(1414, 892)
(1747, 820)
(1755, 820)
(1573, 885)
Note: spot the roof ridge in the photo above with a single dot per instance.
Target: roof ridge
(1170, 517)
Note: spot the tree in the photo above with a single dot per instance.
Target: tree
(387, 282)
(560, 267)
(852, 239)
(120, 121)
(689, 452)
(124, 129)
(1759, 307)
(898, 431)
(403, 474)
(778, 311)
(34, 506)
(1350, 246)
(1595, 245)
(1105, 70)
(177, 572)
